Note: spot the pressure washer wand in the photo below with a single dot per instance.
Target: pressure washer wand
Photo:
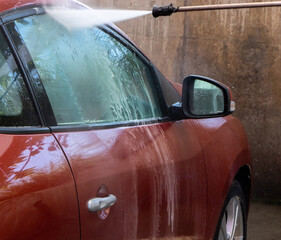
(170, 9)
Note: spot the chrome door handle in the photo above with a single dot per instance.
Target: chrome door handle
(97, 204)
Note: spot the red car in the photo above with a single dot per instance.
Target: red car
(95, 143)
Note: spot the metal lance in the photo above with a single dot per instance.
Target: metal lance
(170, 9)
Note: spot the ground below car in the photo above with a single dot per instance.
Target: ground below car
(264, 222)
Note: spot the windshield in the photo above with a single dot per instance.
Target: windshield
(88, 74)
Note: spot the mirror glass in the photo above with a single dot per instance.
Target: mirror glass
(207, 99)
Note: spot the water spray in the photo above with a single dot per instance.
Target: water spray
(170, 9)
(74, 19)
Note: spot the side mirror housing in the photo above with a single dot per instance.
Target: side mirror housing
(204, 98)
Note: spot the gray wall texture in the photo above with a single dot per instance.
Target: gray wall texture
(241, 48)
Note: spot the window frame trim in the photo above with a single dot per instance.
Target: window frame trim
(104, 126)
(24, 130)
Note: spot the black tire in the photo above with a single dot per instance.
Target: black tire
(234, 196)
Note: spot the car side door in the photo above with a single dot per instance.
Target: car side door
(138, 173)
(38, 198)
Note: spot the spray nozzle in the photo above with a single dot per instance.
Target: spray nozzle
(164, 10)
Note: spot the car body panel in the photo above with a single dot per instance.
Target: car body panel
(37, 197)
(13, 4)
(157, 172)
(226, 150)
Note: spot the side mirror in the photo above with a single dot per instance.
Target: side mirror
(204, 97)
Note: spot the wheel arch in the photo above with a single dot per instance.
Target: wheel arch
(243, 176)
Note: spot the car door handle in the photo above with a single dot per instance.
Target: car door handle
(97, 204)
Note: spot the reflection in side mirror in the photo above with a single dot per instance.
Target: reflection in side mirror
(204, 97)
(207, 99)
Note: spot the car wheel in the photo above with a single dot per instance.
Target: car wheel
(232, 223)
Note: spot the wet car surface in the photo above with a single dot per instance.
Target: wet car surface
(97, 144)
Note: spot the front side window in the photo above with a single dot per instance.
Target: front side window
(16, 107)
(89, 75)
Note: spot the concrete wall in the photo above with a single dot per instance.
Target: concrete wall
(241, 48)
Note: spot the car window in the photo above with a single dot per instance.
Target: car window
(88, 74)
(16, 108)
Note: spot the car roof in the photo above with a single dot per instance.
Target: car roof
(11, 4)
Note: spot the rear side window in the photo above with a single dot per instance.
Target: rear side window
(89, 75)
(16, 108)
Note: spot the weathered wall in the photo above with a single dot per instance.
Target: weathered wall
(241, 48)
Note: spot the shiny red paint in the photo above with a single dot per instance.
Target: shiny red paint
(12, 4)
(157, 173)
(37, 195)
(226, 150)
(7, 5)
